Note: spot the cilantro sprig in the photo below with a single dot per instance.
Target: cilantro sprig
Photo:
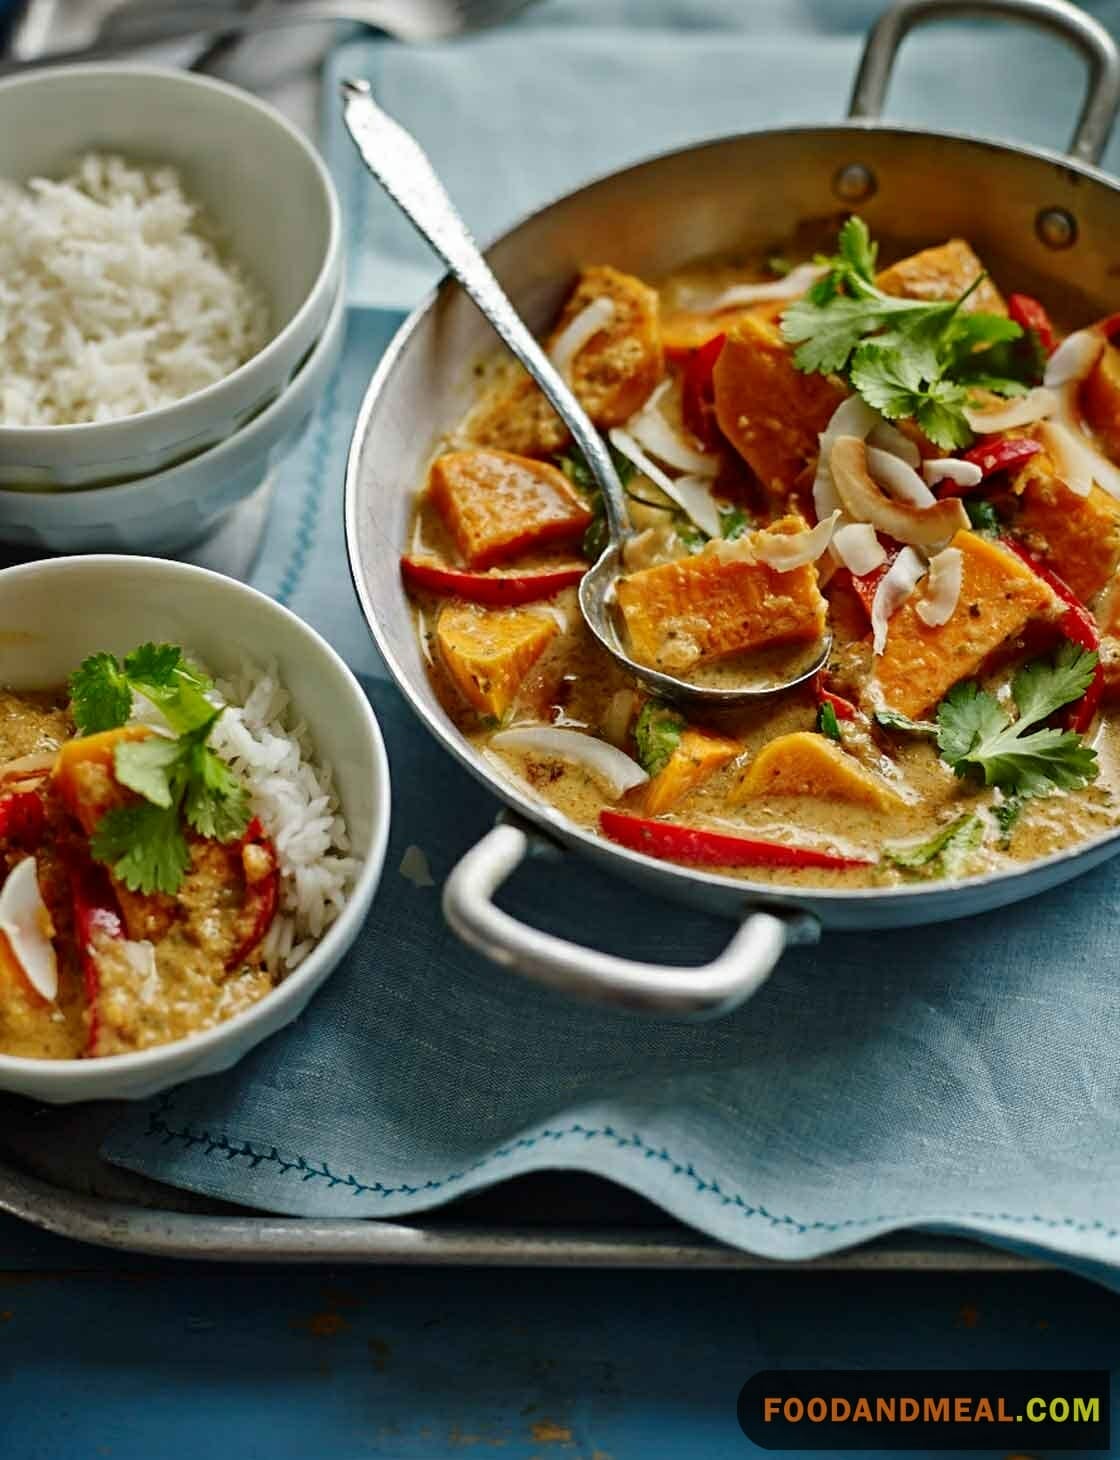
(907, 358)
(180, 780)
(977, 737)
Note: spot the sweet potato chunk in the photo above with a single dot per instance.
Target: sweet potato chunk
(1100, 400)
(489, 653)
(685, 330)
(697, 757)
(517, 418)
(1077, 537)
(612, 375)
(944, 272)
(805, 764)
(616, 371)
(497, 505)
(714, 604)
(83, 774)
(998, 595)
(771, 412)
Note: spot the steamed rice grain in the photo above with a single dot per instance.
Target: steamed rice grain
(114, 298)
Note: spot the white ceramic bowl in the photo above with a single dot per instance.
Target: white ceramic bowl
(175, 508)
(263, 185)
(54, 613)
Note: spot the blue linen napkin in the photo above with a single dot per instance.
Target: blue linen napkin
(961, 1077)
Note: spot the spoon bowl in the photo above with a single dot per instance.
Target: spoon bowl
(400, 165)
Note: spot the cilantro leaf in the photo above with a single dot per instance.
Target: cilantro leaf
(1007, 813)
(657, 735)
(827, 723)
(216, 802)
(947, 853)
(100, 696)
(983, 517)
(976, 735)
(176, 688)
(143, 846)
(733, 522)
(855, 249)
(154, 663)
(1040, 688)
(892, 720)
(150, 767)
(967, 716)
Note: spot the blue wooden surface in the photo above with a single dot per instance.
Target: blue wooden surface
(117, 1358)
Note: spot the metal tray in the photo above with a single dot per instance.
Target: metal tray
(52, 1176)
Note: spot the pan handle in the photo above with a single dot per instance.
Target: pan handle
(1102, 98)
(694, 993)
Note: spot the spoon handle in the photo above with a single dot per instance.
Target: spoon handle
(402, 168)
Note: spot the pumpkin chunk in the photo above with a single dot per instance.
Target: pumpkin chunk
(618, 369)
(1077, 537)
(806, 764)
(715, 603)
(1100, 400)
(497, 505)
(998, 595)
(697, 757)
(84, 774)
(944, 272)
(612, 375)
(771, 412)
(488, 654)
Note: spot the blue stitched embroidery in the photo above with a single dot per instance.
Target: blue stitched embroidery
(310, 1171)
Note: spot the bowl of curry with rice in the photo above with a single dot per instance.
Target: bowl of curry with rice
(193, 815)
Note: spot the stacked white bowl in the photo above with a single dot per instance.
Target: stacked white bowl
(161, 480)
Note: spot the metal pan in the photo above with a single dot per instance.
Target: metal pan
(1035, 216)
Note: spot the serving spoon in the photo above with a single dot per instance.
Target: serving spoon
(400, 165)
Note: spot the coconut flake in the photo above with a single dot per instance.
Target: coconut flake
(857, 546)
(852, 417)
(897, 584)
(692, 495)
(795, 283)
(1074, 358)
(951, 469)
(576, 333)
(943, 588)
(652, 431)
(784, 551)
(901, 481)
(26, 923)
(890, 438)
(1079, 464)
(608, 765)
(1024, 410)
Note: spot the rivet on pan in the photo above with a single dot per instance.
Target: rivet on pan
(855, 183)
(1056, 228)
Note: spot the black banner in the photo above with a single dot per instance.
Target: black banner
(927, 1409)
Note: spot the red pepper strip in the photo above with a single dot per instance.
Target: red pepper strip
(843, 709)
(1002, 453)
(1078, 625)
(95, 915)
(698, 390)
(262, 896)
(867, 584)
(673, 843)
(508, 588)
(22, 819)
(1029, 314)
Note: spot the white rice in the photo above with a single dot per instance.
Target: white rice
(114, 298)
(292, 794)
